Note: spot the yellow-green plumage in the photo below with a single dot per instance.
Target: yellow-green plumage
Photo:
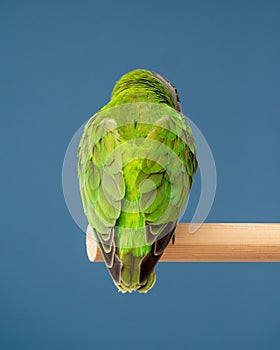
(136, 163)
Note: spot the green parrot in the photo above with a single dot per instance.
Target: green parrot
(136, 162)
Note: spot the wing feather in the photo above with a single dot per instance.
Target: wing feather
(101, 182)
(163, 183)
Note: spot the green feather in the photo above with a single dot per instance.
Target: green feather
(135, 176)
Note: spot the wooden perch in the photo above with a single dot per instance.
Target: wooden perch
(243, 242)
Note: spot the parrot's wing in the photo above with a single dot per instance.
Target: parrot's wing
(101, 183)
(164, 181)
(170, 164)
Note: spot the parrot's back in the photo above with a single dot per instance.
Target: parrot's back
(136, 163)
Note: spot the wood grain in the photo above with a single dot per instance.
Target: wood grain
(224, 242)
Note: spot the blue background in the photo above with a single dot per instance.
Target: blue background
(59, 61)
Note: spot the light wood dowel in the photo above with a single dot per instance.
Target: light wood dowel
(243, 242)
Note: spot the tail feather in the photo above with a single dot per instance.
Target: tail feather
(136, 273)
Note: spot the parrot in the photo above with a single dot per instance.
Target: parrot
(136, 163)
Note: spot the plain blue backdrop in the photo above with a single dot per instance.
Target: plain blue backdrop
(59, 62)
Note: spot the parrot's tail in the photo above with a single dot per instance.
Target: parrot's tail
(141, 288)
(136, 273)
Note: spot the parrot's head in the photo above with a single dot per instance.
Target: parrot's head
(141, 80)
